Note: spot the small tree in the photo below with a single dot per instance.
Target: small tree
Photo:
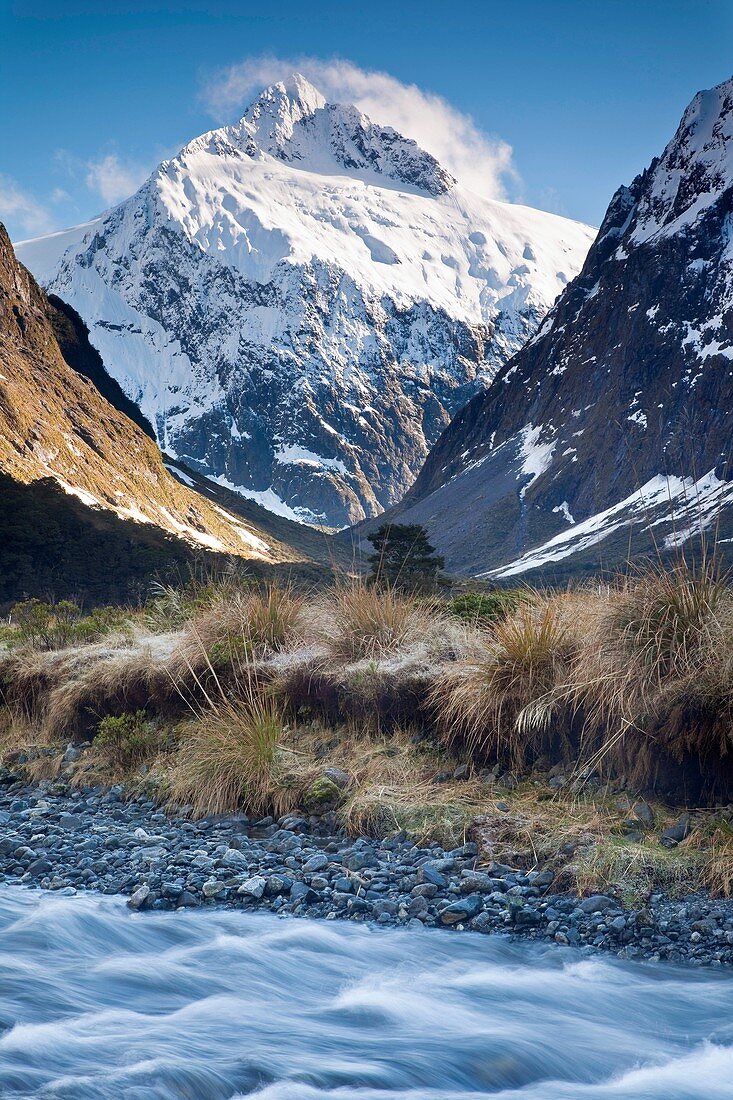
(404, 558)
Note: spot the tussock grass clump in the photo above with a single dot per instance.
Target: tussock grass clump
(172, 606)
(717, 871)
(375, 656)
(236, 628)
(422, 811)
(498, 702)
(655, 677)
(234, 757)
(363, 622)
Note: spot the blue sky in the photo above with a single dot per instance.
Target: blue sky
(94, 94)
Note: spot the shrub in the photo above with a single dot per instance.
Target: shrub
(483, 608)
(59, 625)
(127, 740)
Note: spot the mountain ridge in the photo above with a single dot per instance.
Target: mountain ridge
(615, 417)
(302, 329)
(58, 430)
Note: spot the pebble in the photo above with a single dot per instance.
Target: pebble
(66, 839)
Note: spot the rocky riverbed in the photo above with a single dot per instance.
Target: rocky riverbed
(66, 839)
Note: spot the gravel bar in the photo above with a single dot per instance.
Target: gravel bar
(62, 838)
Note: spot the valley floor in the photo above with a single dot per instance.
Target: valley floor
(552, 765)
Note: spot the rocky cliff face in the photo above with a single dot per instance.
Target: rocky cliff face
(55, 424)
(298, 303)
(615, 422)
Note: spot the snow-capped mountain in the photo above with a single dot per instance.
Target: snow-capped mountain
(612, 430)
(299, 302)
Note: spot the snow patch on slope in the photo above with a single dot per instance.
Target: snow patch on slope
(689, 505)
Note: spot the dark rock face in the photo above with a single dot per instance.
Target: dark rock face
(616, 417)
(302, 430)
(73, 340)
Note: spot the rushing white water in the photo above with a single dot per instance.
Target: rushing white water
(97, 1002)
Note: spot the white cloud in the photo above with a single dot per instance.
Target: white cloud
(112, 179)
(481, 161)
(20, 209)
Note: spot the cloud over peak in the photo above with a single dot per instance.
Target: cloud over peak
(19, 208)
(112, 179)
(480, 161)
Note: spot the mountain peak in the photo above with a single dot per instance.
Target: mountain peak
(292, 121)
(695, 168)
(312, 296)
(278, 109)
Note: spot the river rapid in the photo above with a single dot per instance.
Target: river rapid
(100, 1002)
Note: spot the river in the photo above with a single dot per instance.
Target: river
(98, 1002)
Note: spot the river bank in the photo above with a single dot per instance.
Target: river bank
(66, 839)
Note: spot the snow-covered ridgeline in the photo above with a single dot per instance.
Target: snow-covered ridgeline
(300, 302)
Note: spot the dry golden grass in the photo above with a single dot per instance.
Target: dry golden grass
(392, 788)
(540, 828)
(638, 870)
(717, 871)
(655, 674)
(622, 679)
(362, 622)
(64, 693)
(234, 756)
(376, 653)
(235, 629)
(499, 702)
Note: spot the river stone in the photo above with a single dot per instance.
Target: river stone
(418, 907)
(234, 858)
(318, 862)
(338, 776)
(254, 887)
(526, 916)
(358, 860)
(642, 811)
(139, 897)
(599, 903)
(212, 888)
(431, 875)
(301, 892)
(675, 834)
(461, 910)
